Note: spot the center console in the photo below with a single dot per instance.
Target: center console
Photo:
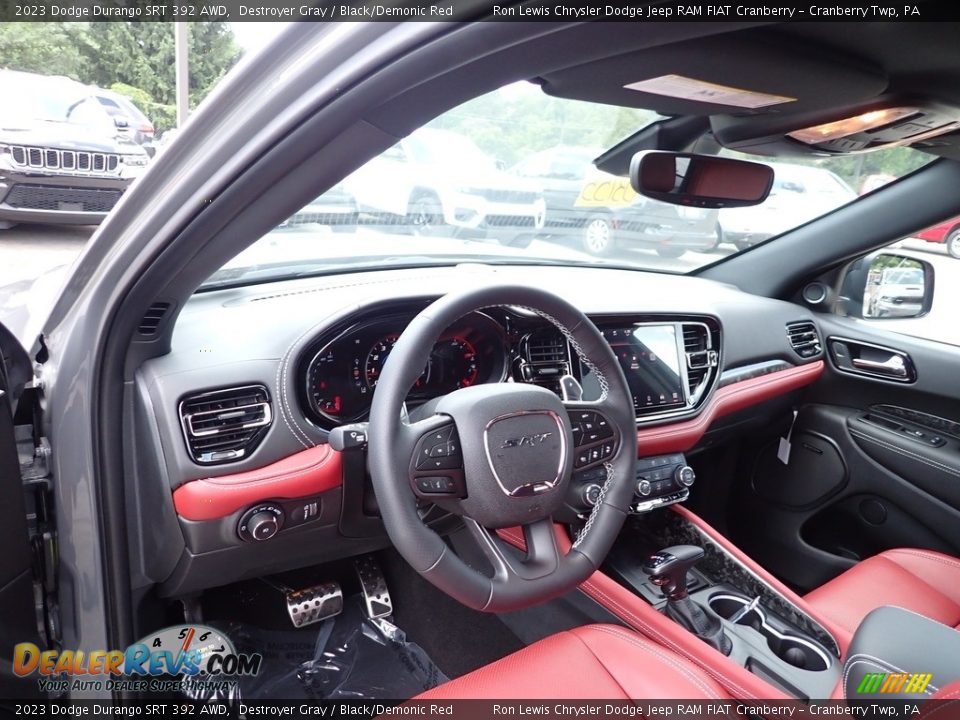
(897, 652)
(676, 567)
(660, 481)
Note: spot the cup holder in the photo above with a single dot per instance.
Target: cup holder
(791, 649)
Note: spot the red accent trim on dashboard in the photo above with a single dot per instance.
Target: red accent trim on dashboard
(308, 472)
(682, 436)
(318, 469)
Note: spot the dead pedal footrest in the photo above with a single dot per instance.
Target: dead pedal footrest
(373, 585)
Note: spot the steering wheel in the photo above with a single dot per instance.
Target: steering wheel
(499, 455)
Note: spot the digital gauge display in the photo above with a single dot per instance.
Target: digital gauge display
(342, 376)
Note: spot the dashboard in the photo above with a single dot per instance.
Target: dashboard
(668, 362)
(232, 424)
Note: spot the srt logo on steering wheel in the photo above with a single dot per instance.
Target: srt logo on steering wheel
(525, 440)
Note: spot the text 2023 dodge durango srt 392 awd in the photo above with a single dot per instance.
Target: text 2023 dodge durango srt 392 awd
(560, 475)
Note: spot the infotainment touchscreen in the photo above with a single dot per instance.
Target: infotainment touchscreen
(651, 359)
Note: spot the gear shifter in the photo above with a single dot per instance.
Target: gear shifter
(668, 570)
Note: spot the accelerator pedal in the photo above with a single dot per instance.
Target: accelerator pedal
(373, 585)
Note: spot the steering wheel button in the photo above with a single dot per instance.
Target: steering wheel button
(438, 451)
(438, 485)
(443, 463)
(452, 449)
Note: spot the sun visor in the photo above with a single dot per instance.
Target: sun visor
(736, 74)
(885, 122)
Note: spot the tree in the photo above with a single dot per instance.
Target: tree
(141, 54)
(49, 48)
(518, 121)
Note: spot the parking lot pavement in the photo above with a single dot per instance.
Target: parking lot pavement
(28, 251)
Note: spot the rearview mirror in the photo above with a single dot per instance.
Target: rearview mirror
(704, 181)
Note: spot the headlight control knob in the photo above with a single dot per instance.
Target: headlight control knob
(261, 522)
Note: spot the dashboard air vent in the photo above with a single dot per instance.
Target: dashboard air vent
(700, 358)
(225, 425)
(545, 358)
(804, 339)
(547, 347)
(150, 322)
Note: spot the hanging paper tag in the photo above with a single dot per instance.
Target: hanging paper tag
(783, 449)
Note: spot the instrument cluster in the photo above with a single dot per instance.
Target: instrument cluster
(342, 373)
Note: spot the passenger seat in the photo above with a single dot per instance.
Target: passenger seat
(923, 581)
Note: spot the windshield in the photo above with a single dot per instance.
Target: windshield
(509, 178)
(49, 100)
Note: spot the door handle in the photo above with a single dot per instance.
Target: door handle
(857, 357)
(893, 366)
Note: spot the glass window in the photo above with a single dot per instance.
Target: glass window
(509, 178)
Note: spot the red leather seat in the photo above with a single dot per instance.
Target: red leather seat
(601, 662)
(926, 582)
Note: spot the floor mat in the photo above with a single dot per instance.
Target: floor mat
(457, 638)
(346, 657)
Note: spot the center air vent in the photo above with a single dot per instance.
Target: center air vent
(226, 425)
(546, 358)
(701, 358)
(804, 339)
(546, 346)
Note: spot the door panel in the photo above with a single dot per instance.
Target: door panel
(18, 621)
(18, 617)
(899, 484)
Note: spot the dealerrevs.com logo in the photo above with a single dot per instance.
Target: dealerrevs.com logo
(182, 651)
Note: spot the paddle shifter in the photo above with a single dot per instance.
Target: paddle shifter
(668, 570)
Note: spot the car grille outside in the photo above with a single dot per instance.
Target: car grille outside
(522, 221)
(44, 197)
(323, 218)
(506, 196)
(73, 161)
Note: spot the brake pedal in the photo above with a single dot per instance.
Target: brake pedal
(373, 585)
(311, 604)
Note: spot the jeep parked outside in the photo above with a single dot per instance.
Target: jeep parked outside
(62, 159)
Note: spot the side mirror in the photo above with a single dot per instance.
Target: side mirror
(121, 122)
(703, 181)
(888, 285)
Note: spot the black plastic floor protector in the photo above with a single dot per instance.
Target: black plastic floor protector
(348, 657)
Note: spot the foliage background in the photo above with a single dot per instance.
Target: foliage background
(136, 59)
(133, 58)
